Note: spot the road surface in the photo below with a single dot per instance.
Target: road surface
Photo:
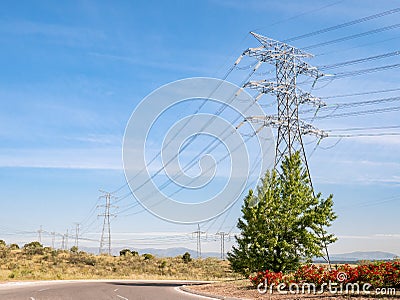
(98, 290)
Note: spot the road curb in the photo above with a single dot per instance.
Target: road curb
(186, 289)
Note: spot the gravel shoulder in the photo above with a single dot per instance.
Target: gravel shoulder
(242, 289)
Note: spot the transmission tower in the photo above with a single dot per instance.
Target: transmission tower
(53, 238)
(198, 234)
(105, 240)
(66, 240)
(222, 236)
(40, 231)
(77, 225)
(289, 64)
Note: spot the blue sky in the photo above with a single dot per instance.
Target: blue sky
(73, 72)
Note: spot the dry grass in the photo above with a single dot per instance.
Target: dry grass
(58, 264)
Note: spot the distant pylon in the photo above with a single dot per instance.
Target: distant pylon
(105, 240)
(40, 234)
(53, 237)
(222, 236)
(77, 235)
(198, 234)
(66, 240)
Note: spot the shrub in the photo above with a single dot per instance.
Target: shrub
(13, 247)
(162, 266)
(33, 248)
(186, 257)
(148, 256)
(124, 252)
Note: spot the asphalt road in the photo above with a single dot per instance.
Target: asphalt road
(98, 290)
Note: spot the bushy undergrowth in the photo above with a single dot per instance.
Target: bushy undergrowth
(33, 262)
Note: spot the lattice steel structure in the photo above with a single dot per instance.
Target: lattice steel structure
(289, 63)
(105, 240)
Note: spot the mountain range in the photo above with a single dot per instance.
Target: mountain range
(173, 252)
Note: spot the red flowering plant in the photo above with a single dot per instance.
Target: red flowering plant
(267, 276)
(310, 274)
(380, 274)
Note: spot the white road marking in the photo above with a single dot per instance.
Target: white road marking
(115, 290)
(32, 298)
(193, 294)
(123, 298)
(42, 290)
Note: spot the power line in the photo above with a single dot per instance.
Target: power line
(354, 36)
(358, 46)
(357, 113)
(346, 105)
(299, 15)
(204, 101)
(335, 27)
(234, 66)
(363, 128)
(365, 135)
(217, 113)
(361, 93)
(364, 71)
(360, 60)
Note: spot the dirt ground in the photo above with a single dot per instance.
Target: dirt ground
(242, 289)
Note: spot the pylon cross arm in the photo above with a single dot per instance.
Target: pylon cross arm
(278, 46)
(276, 122)
(266, 87)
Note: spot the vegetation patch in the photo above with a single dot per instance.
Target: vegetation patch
(35, 262)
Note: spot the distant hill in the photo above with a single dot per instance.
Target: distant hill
(169, 252)
(359, 255)
(173, 252)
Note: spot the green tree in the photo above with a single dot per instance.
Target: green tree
(283, 223)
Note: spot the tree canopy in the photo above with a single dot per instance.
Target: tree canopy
(283, 223)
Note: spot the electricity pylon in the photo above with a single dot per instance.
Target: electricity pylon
(289, 63)
(198, 234)
(222, 236)
(105, 240)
